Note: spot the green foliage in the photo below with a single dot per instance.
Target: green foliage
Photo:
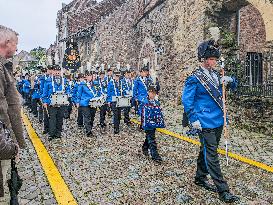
(38, 53)
(228, 39)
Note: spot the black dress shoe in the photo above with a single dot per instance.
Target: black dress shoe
(157, 159)
(45, 132)
(89, 134)
(145, 151)
(206, 185)
(228, 197)
(50, 138)
(116, 131)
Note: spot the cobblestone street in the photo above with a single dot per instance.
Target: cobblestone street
(35, 189)
(110, 169)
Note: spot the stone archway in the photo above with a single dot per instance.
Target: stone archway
(266, 10)
(265, 7)
(147, 54)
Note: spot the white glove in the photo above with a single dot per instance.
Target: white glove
(197, 125)
(156, 97)
(226, 80)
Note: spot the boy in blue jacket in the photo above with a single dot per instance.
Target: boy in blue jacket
(152, 118)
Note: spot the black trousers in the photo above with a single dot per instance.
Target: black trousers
(46, 120)
(40, 112)
(126, 111)
(150, 142)
(34, 106)
(27, 99)
(88, 118)
(80, 117)
(103, 111)
(208, 160)
(117, 115)
(56, 116)
(68, 109)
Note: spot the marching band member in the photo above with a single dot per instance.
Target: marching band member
(126, 85)
(35, 96)
(80, 81)
(41, 80)
(45, 78)
(151, 118)
(26, 90)
(109, 75)
(54, 86)
(202, 100)
(113, 90)
(69, 85)
(133, 76)
(86, 92)
(141, 84)
(103, 87)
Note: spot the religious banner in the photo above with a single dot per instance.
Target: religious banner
(71, 59)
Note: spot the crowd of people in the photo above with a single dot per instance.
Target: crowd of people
(113, 91)
(51, 96)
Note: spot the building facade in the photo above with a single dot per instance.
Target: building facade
(166, 34)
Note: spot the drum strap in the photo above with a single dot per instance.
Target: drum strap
(88, 84)
(142, 80)
(115, 88)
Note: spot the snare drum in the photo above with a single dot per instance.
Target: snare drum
(123, 101)
(59, 100)
(97, 102)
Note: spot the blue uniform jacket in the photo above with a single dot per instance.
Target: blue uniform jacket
(36, 90)
(140, 92)
(103, 85)
(48, 90)
(199, 105)
(74, 92)
(112, 91)
(26, 86)
(42, 80)
(126, 86)
(85, 93)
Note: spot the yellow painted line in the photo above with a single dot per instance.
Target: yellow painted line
(60, 190)
(220, 151)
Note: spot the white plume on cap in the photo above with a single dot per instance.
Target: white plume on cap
(215, 33)
(88, 66)
(153, 75)
(81, 69)
(145, 61)
(102, 67)
(118, 66)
